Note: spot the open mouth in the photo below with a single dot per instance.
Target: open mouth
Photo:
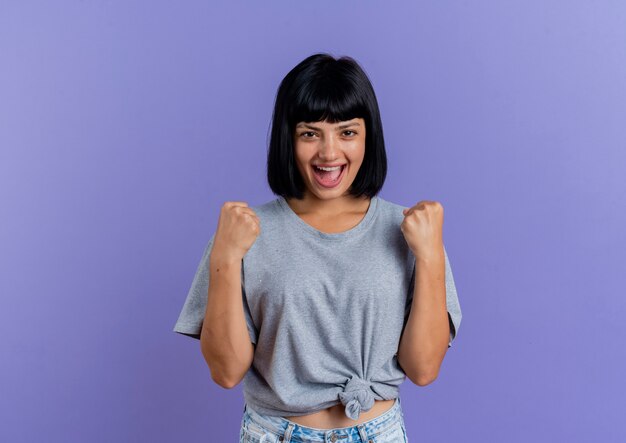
(329, 178)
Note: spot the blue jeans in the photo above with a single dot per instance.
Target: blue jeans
(386, 428)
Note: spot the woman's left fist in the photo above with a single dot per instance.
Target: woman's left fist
(422, 228)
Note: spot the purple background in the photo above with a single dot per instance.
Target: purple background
(124, 126)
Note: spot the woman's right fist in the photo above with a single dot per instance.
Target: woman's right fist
(237, 230)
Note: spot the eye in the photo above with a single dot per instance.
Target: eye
(307, 132)
(349, 130)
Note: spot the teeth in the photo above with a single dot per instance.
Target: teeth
(334, 168)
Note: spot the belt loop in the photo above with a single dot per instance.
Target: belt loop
(362, 433)
(288, 432)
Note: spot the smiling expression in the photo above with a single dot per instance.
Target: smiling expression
(329, 144)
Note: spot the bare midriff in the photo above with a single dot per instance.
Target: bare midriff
(335, 416)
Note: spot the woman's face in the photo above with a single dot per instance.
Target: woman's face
(329, 144)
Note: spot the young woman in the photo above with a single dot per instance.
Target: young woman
(326, 298)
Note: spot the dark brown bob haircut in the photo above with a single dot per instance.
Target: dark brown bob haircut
(322, 88)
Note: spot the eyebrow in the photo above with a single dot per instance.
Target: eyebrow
(347, 125)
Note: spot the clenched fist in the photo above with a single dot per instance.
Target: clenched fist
(422, 228)
(237, 230)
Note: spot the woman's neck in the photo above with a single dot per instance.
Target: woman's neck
(329, 208)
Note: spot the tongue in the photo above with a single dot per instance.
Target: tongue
(329, 175)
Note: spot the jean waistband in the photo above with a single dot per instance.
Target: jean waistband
(282, 426)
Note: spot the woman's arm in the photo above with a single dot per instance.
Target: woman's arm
(424, 341)
(224, 338)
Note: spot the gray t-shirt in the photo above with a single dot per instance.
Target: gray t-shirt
(325, 310)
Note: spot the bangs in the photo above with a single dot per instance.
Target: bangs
(330, 98)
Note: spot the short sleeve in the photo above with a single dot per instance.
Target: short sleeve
(452, 300)
(191, 316)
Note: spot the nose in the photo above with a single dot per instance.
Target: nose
(328, 149)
